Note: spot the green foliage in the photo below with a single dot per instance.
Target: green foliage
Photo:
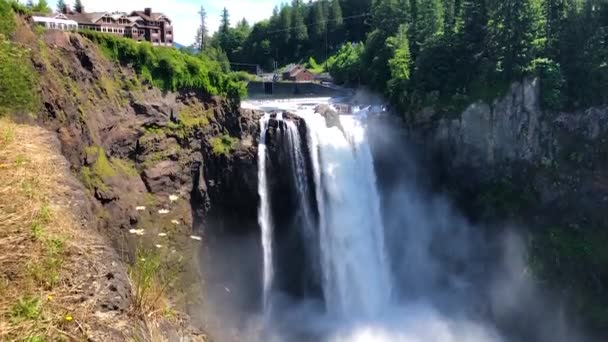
(26, 309)
(345, 66)
(573, 257)
(152, 274)
(7, 18)
(42, 7)
(101, 169)
(78, 6)
(315, 67)
(223, 145)
(17, 79)
(168, 68)
(552, 83)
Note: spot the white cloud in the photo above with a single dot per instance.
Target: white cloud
(184, 13)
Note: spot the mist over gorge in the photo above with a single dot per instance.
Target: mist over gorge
(424, 269)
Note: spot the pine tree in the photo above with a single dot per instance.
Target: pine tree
(78, 6)
(318, 21)
(472, 62)
(60, 6)
(300, 31)
(335, 23)
(283, 34)
(29, 4)
(225, 21)
(399, 64)
(202, 34)
(515, 31)
(428, 20)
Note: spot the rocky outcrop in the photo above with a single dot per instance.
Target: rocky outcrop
(152, 161)
(515, 128)
(332, 118)
(544, 172)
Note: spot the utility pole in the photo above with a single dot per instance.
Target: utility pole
(326, 45)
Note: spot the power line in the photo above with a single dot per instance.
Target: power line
(323, 22)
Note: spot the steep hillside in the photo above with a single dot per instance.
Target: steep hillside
(156, 152)
(542, 171)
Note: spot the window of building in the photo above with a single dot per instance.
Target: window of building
(169, 32)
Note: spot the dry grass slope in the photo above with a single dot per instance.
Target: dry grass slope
(48, 261)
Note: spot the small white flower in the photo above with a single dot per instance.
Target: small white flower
(159, 246)
(137, 231)
(175, 222)
(142, 208)
(163, 211)
(162, 234)
(197, 238)
(173, 198)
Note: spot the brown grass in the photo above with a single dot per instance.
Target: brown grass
(45, 255)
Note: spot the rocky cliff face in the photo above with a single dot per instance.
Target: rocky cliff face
(152, 162)
(547, 172)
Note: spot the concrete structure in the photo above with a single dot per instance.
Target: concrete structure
(58, 22)
(145, 25)
(289, 89)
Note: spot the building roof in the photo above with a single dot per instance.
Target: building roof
(38, 19)
(88, 18)
(154, 16)
(290, 68)
(299, 71)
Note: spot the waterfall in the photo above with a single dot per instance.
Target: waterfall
(264, 217)
(346, 245)
(356, 277)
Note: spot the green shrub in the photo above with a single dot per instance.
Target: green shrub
(17, 77)
(315, 67)
(96, 175)
(551, 82)
(7, 18)
(26, 309)
(345, 65)
(170, 69)
(223, 145)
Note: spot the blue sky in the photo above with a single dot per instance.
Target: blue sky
(184, 12)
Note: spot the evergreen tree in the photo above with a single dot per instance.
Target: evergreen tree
(335, 23)
(427, 20)
(223, 35)
(29, 4)
(318, 21)
(515, 31)
(399, 64)
(60, 6)
(202, 33)
(225, 21)
(285, 53)
(299, 29)
(472, 58)
(78, 7)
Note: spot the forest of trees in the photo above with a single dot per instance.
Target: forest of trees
(438, 53)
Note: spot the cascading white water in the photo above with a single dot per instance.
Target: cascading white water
(301, 181)
(356, 277)
(365, 299)
(264, 217)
